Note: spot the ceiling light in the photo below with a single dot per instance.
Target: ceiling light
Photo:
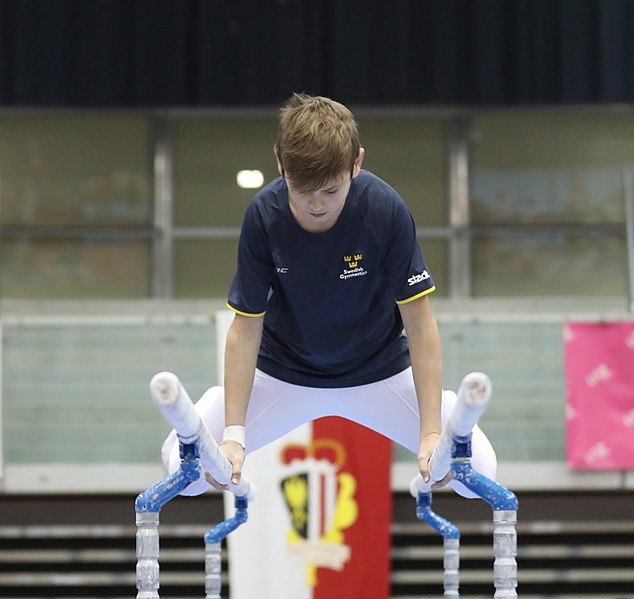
(247, 179)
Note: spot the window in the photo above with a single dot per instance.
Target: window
(85, 214)
(76, 206)
(547, 206)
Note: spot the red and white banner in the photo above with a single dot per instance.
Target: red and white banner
(599, 367)
(320, 525)
(363, 512)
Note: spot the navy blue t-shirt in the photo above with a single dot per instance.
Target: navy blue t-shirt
(330, 299)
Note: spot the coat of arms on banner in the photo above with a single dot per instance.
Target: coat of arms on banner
(321, 502)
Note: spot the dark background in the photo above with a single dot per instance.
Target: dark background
(152, 53)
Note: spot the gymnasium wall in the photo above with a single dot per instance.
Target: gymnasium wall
(506, 125)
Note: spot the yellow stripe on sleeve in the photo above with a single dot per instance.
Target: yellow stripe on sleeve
(244, 313)
(415, 297)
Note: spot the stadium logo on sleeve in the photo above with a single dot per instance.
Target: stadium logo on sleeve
(354, 269)
(419, 278)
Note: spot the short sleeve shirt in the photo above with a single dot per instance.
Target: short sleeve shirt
(330, 299)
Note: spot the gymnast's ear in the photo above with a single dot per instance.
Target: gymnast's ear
(356, 167)
(280, 168)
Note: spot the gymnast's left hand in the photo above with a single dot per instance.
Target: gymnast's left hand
(426, 449)
(234, 452)
(427, 446)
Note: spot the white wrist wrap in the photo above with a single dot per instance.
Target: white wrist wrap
(235, 432)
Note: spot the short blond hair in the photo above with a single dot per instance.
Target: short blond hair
(318, 139)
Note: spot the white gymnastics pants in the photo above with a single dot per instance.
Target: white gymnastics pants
(388, 407)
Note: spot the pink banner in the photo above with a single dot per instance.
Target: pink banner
(599, 363)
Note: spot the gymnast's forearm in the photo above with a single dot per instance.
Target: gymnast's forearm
(241, 351)
(423, 340)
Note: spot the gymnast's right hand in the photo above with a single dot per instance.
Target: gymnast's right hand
(234, 452)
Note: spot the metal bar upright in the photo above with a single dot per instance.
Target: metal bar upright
(504, 504)
(147, 507)
(213, 541)
(451, 544)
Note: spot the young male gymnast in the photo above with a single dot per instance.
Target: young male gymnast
(332, 315)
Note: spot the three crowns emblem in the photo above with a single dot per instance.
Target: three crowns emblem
(353, 262)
